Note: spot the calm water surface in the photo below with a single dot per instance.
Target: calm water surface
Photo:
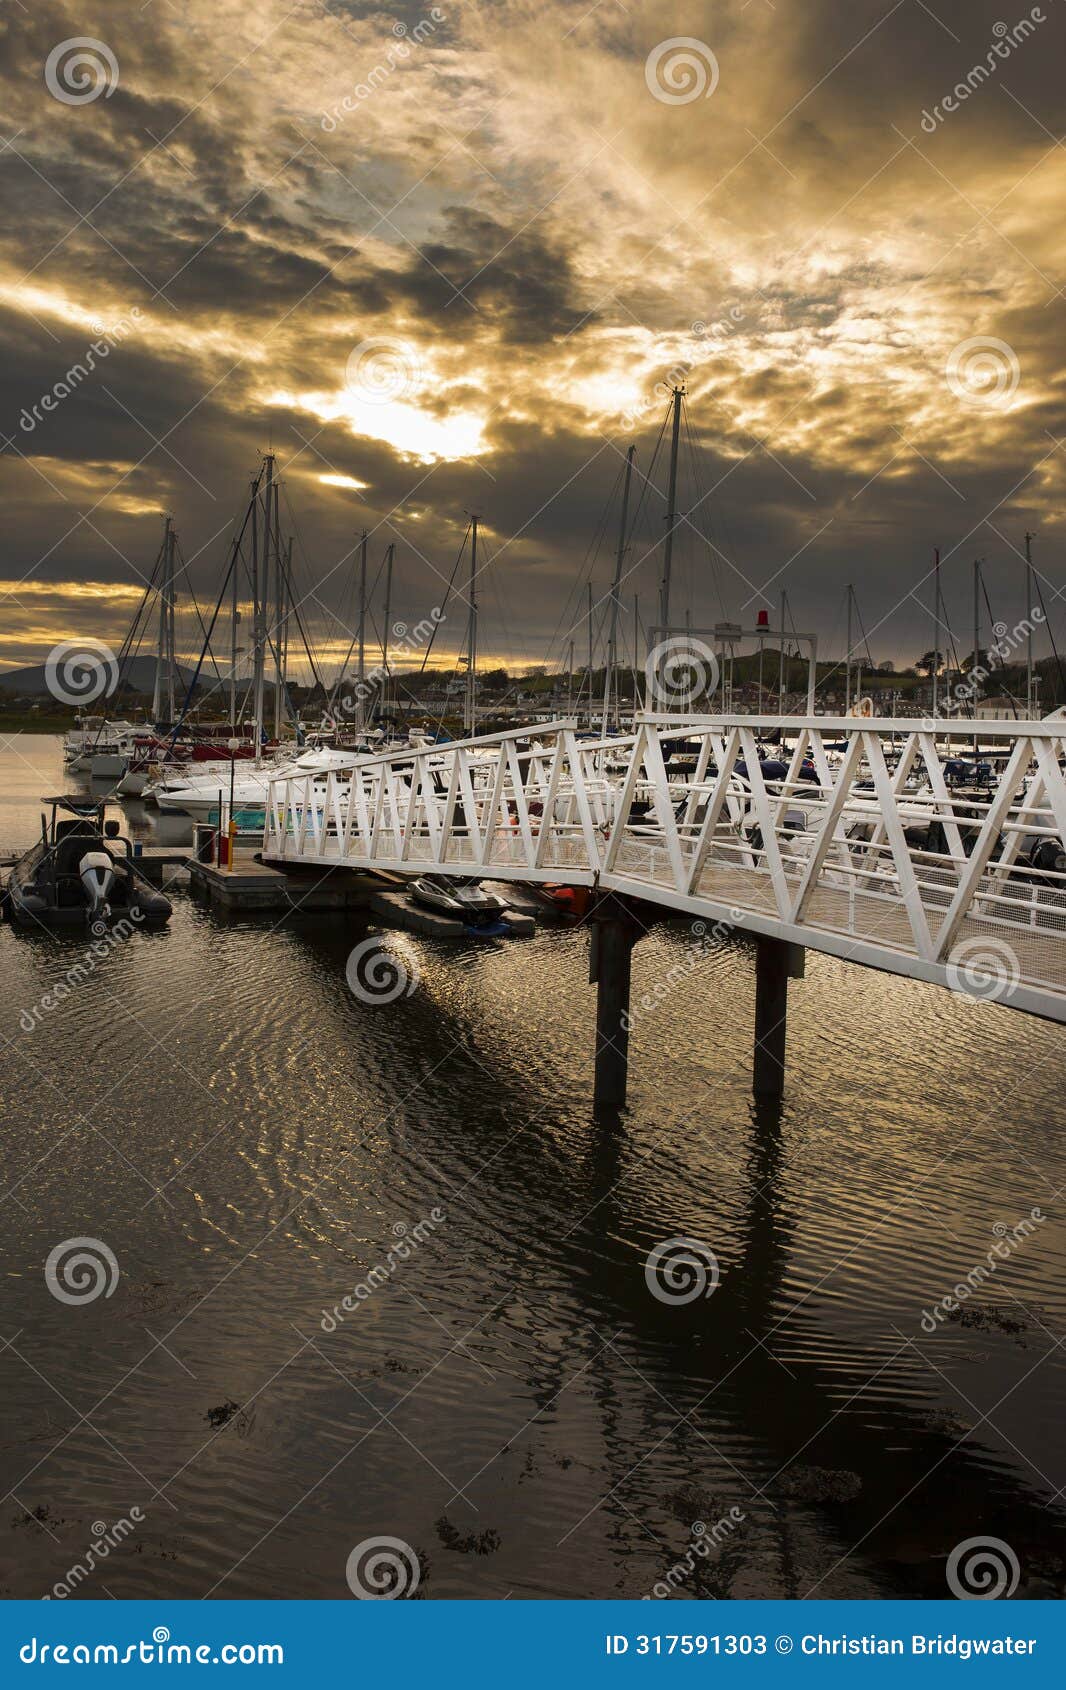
(250, 1140)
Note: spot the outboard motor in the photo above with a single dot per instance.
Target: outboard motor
(97, 873)
(1048, 856)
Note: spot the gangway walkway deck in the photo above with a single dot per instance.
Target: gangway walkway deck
(860, 842)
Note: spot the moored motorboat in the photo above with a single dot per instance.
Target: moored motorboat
(81, 873)
(569, 902)
(461, 900)
(133, 783)
(106, 765)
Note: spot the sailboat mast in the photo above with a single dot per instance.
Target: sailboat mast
(936, 622)
(976, 645)
(847, 671)
(172, 576)
(976, 632)
(671, 520)
(285, 651)
(281, 632)
(235, 617)
(1030, 705)
(161, 643)
(471, 638)
(590, 651)
(781, 658)
(360, 717)
(612, 634)
(386, 630)
(279, 616)
(264, 583)
(257, 624)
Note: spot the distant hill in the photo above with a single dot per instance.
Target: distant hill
(138, 676)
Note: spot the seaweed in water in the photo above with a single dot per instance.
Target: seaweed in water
(474, 1543)
(819, 1484)
(987, 1317)
(224, 1413)
(688, 1502)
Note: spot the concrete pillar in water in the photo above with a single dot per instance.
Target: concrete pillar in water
(776, 962)
(614, 932)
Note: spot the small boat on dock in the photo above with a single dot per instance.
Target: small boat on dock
(81, 873)
(462, 900)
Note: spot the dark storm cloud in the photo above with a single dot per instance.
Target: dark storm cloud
(523, 286)
(548, 242)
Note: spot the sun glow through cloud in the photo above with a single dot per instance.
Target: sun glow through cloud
(411, 432)
(348, 482)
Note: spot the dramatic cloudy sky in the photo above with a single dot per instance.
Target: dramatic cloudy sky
(499, 192)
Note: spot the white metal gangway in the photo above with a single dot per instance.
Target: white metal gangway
(861, 843)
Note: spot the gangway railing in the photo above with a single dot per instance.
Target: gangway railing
(867, 838)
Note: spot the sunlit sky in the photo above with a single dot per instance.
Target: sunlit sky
(452, 259)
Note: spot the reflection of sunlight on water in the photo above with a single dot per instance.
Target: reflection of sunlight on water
(31, 768)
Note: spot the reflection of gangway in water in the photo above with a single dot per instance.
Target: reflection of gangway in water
(891, 867)
(753, 1356)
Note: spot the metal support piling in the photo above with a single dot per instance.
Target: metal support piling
(614, 931)
(776, 962)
